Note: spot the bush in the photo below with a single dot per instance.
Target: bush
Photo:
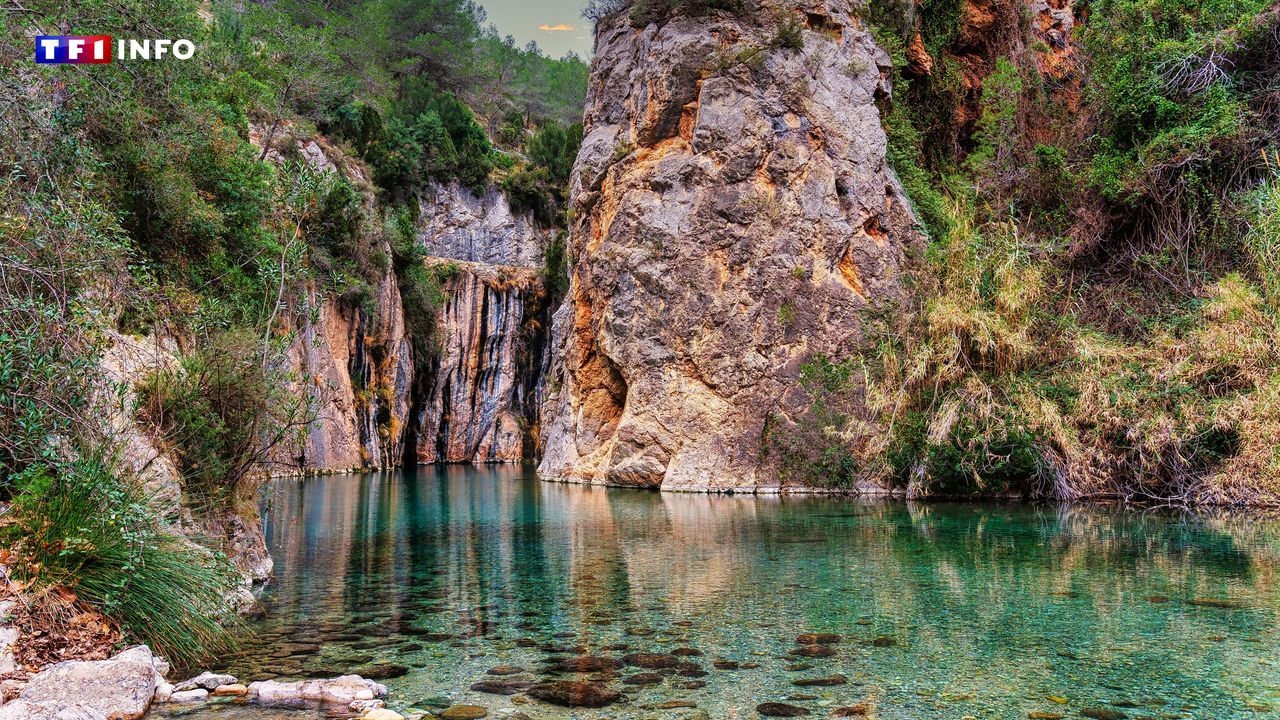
(555, 268)
(825, 446)
(529, 190)
(80, 526)
(789, 35)
(223, 413)
(421, 295)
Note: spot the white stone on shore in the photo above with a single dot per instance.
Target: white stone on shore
(342, 690)
(164, 691)
(189, 696)
(381, 714)
(121, 687)
(206, 680)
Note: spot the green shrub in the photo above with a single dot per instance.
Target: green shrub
(824, 445)
(994, 160)
(529, 190)
(789, 35)
(421, 295)
(223, 413)
(1263, 240)
(555, 267)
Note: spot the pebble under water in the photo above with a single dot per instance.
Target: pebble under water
(693, 606)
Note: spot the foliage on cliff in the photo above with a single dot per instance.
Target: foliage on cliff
(1098, 314)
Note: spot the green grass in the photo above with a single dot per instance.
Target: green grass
(83, 527)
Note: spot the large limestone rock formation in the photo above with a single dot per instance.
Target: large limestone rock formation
(375, 404)
(734, 217)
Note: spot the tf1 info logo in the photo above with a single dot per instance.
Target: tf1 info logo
(96, 49)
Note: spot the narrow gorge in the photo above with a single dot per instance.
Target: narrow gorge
(474, 397)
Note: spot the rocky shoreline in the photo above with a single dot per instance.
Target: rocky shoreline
(127, 685)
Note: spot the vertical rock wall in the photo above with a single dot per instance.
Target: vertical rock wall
(378, 406)
(357, 369)
(735, 216)
(475, 407)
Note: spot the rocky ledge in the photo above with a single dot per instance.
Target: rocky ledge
(125, 686)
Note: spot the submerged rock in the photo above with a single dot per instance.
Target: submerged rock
(643, 679)
(587, 663)
(1103, 714)
(828, 681)
(813, 651)
(574, 693)
(653, 661)
(777, 709)
(382, 671)
(817, 639)
(689, 684)
(464, 712)
(1219, 603)
(504, 686)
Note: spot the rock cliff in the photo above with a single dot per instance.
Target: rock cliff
(125, 363)
(376, 405)
(734, 217)
(479, 405)
(357, 368)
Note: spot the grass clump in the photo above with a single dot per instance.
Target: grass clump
(81, 527)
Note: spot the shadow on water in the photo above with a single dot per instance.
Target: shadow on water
(430, 577)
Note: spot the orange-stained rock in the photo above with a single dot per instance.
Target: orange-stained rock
(732, 219)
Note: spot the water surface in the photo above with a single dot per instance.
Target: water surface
(944, 610)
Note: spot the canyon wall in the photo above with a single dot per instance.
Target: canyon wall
(471, 398)
(474, 398)
(734, 217)
(478, 406)
(357, 369)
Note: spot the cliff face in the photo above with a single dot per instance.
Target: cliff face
(126, 361)
(477, 408)
(735, 216)
(357, 368)
(458, 224)
(377, 406)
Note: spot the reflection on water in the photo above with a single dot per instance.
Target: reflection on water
(944, 610)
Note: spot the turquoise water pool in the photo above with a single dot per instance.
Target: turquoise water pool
(438, 575)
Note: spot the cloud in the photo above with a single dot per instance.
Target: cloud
(556, 28)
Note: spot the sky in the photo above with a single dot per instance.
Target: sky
(557, 25)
